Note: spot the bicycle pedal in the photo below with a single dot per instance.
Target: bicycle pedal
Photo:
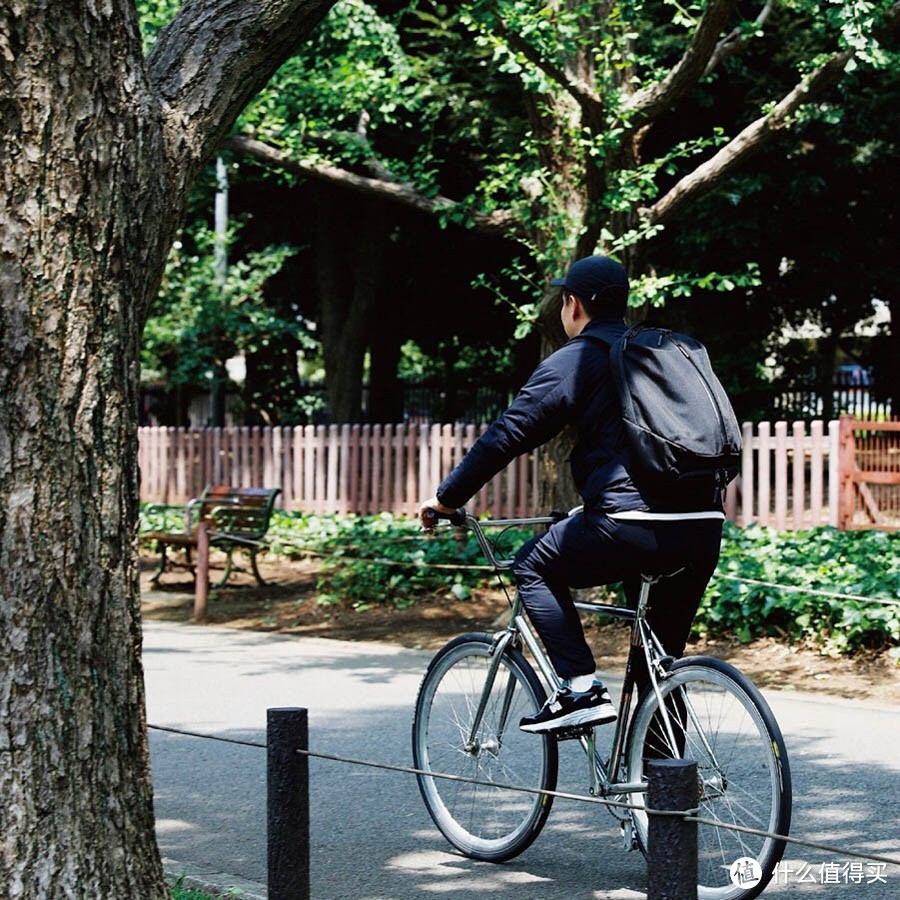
(573, 733)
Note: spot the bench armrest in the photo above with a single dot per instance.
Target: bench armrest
(201, 501)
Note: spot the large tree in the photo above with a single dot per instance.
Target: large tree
(100, 147)
(599, 81)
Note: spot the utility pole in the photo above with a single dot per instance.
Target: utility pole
(220, 374)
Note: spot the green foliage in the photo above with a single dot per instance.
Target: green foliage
(453, 358)
(351, 82)
(352, 543)
(156, 517)
(655, 289)
(863, 563)
(153, 16)
(179, 892)
(199, 320)
(431, 93)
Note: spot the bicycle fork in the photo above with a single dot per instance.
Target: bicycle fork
(497, 651)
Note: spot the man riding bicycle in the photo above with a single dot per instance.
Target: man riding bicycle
(623, 529)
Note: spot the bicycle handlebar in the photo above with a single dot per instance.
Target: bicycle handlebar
(457, 517)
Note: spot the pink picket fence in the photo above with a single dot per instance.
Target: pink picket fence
(789, 475)
(327, 468)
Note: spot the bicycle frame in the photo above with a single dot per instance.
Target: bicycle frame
(603, 776)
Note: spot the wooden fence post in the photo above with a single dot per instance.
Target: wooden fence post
(799, 474)
(780, 475)
(748, 487)
(834, 472)
(331, 503)
(762, 464)
(816, 463)
(846, 463)
(201, 573)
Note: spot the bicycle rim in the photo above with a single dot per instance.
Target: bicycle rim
(742, 770)
(489, 823)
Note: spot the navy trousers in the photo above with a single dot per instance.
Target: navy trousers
(591, 549)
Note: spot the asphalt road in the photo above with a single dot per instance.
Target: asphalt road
(371, 837)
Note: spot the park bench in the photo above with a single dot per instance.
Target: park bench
(236, 518)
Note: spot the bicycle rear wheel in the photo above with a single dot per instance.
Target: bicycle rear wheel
(720, 720)
(487, 823)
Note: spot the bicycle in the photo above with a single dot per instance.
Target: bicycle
(478, 685)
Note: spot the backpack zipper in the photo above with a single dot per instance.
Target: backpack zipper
(708, 390)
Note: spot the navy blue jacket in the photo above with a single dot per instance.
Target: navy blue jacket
(572, 386)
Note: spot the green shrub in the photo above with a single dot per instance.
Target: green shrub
(863, 563)
(375, 560)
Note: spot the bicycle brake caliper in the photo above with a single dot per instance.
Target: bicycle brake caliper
(662, 666)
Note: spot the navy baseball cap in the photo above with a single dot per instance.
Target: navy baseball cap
(597, 280)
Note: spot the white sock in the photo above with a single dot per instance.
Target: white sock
(581, 683)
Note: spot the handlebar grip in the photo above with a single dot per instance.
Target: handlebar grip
(457, 517)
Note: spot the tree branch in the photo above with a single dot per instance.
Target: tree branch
(501, 222)
(707, 175)
(651, 101)
(214, 57)
(583, 93)
(733, 43)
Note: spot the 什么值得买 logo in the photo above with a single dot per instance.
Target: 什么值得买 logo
(745, 872)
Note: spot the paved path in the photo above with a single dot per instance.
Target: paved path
(371, 836)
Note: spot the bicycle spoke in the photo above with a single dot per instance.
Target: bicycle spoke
(738, 776)
(482, 816)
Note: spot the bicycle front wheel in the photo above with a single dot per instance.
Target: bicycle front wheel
(720, 720)
(489, 823)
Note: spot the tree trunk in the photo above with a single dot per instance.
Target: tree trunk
(84, 224)
(557, 486)
(98, 162)
(350, 237)
(826, 364)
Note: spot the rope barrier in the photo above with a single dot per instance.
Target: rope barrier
(208, 737)
(687, 815)
(792, 840)
(378, 561)
(419, 564)
(806, 590)
(563, 795)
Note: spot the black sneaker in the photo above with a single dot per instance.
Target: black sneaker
(567, 708)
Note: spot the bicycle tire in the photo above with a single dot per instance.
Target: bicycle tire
(504, 823)
(752, 787)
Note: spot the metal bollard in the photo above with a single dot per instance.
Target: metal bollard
(288, 804)
(671, 842)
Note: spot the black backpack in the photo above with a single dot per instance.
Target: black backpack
(678, 420)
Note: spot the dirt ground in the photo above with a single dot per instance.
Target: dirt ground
(288, 604)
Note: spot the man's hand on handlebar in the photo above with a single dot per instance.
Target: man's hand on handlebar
(432, 509)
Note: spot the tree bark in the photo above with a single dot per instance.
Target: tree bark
(98, 162)
(350, 242)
